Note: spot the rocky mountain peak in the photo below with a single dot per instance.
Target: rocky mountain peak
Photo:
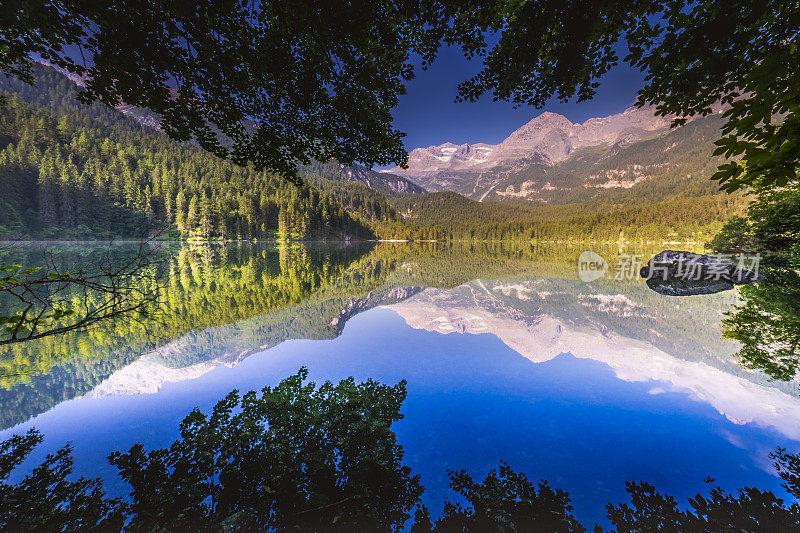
(548, 137)
(449, 156)
(544, 121)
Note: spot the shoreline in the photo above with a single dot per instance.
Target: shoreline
(568, 242)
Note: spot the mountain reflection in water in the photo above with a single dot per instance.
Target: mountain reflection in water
(644, 370)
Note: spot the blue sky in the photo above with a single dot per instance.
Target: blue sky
(429, 115)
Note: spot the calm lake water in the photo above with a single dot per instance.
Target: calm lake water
(507, 353)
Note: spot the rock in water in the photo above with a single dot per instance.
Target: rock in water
(679, 273)
(687, 288)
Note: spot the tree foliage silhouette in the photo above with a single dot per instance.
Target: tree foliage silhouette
(45, 500)
(266, 83)
(741, 53)
(295, 456)
(276, 83)
(504, 501)
(302, 457)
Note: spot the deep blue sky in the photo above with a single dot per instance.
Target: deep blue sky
(429, 115)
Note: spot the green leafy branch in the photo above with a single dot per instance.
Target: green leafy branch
(38, 304)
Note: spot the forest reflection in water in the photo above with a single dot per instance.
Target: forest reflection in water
(223, 305)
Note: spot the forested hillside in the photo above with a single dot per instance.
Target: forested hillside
(695, 218)
(383, 182)
(71, 171)
(74, 171)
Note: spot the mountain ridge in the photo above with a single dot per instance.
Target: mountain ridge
(552, 160)
(550, 136)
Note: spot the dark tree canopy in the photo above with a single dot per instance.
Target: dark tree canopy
(267, 83)
(505, 501)
(295, 457)
(298, 457)
(280, 83)
(741, 53)
(45, 500)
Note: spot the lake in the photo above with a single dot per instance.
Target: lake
(507, 352)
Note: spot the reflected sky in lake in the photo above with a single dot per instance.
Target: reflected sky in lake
(585, 385)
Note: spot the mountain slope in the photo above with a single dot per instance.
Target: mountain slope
(551, 160)
(68, 170)
(382, 182)
(549, 137)
(677, 162)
